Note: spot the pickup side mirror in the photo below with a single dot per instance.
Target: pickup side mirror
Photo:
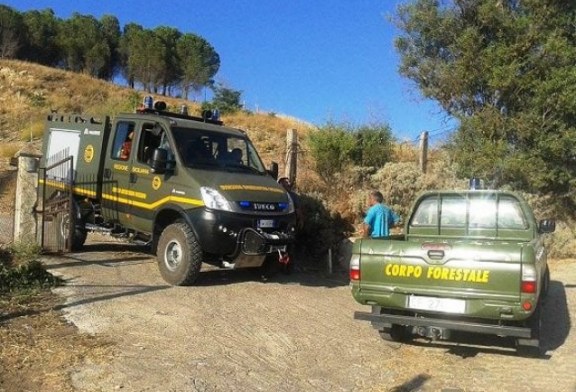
(546, 226)
(273, 171)
(159, 160)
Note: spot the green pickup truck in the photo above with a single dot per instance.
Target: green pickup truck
(471, 261)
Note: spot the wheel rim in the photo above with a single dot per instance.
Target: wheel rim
(173, 255)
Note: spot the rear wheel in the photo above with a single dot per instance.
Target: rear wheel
(396, 333)
(545, 284)
(532, 347)
(179, 255)
(65, 221)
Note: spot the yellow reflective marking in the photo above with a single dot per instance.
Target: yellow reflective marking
(156, 204)
(128, 192)
(121, 167)
(140, 170)
(241, 187)
(88, 153)
(125, 192)
(63, 186)
(156, 183)
(437, 273)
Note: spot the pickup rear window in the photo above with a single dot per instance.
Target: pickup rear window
(480, 211)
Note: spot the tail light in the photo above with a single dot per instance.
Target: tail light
(355, 267)
(529, 284)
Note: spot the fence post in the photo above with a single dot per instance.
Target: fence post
(291, 155)
(25, 224)
(423, 151)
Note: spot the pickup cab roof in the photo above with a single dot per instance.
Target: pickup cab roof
(472, 214)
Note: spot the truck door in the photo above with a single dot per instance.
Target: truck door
(146, 188)
(116, 200)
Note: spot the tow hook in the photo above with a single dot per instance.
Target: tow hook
(434, 333)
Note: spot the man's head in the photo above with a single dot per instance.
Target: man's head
(376, 197)
(285, 182)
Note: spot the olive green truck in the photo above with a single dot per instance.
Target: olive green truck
(193, 189)
(472, 261)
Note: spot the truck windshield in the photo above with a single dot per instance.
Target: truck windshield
(216, 151)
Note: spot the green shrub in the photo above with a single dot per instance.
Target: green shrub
(373, 147)
(331, 148)
(321, 230)
(21, 271)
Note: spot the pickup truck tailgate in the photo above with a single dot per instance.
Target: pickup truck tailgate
(460, 269)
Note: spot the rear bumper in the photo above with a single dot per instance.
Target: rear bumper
(382, 320)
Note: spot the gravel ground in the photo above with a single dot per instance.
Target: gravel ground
(232, 332)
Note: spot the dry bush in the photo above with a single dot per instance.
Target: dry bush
(8, 150)
(34, 130)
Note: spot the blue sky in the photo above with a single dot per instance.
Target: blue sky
(320, 60)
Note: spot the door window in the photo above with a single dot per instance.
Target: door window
(122, 146)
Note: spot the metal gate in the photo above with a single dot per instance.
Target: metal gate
(56, 203)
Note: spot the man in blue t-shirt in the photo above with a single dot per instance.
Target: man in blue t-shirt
(379, 218)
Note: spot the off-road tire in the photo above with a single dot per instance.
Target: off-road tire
(179, 255)
(545, 284)
(532, 347)
(64, 220)
(396, 333)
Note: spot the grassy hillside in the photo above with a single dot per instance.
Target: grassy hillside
(28, 92)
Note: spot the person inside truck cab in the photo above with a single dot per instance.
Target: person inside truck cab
(379, 218)
(126, 147)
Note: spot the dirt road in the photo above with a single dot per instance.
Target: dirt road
(232, 332)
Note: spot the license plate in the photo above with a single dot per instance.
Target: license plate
(447, 305)
(266, 223)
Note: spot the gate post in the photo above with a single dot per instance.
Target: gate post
(25, 221)
(291, 155)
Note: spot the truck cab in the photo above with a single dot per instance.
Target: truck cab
(193, 189)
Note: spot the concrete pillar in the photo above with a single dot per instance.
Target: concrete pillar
(25, 221)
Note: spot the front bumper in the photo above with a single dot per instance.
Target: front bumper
(229, 234)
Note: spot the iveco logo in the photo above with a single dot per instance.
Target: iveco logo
(264, 207)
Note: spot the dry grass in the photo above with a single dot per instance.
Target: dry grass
(38, 349)
(8, 150)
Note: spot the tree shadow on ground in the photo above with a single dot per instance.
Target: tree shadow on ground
(115, 254)
(119, 291)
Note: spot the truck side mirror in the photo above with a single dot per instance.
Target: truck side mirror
(159, 160)
(546, 226)
(273, 171)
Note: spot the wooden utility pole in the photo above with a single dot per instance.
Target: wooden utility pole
(423, 151)
(291, 155)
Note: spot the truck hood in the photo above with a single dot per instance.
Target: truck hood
(235, 186)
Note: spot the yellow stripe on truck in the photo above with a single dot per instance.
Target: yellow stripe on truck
(63, 186)
(156, 204)
(127, 192)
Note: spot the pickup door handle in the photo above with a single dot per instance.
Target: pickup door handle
(133, 178)
(436, 254)
(107, 173)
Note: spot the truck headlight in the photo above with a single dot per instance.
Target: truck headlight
(214, 199)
